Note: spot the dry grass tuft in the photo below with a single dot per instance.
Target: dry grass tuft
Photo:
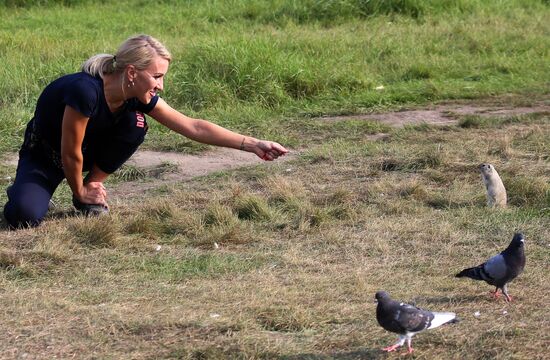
(391, 164)
(182, 223)
(288, 194)
(160, 209)
(471, 122)
(284, 319)
(218, 214)
(427, 160)
(252, 207)
(29, 265)
(339, 196)
(129, 173)
(164, 216)
(438, 176)
(142, 225)
(527, 191)
(133, 173)
(501, 147)
(225, 234)
(163, 169)
(95, 232)
(57, 242)
(308, 217)
(438, 201)
(414, 190)
(9, 259)
(423, 160)
(282, 188)
(534, 142)
(478, 122)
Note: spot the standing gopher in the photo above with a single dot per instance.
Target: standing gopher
(496, 193)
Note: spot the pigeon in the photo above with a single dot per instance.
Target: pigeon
(502, 268)
(407, 320)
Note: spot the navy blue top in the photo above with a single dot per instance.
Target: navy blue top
(84, 93)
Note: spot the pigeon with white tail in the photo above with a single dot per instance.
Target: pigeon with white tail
(407, 320)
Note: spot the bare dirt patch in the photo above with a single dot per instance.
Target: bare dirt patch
(442, 114)
(195, 165)
(186, 166)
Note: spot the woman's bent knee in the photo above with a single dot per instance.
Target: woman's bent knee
(22, 214)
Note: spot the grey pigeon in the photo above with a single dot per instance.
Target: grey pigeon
(502, 268)
(407, 320)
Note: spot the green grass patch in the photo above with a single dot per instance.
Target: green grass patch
(173, 269)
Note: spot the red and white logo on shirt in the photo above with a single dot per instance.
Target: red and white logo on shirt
(140, 120)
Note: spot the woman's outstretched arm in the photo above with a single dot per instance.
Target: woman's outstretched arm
(209, 133)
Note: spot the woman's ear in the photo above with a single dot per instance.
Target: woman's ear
(131, 72)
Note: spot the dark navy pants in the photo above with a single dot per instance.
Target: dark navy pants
(30, 194)
(38, 175)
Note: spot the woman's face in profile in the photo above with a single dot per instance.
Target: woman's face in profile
(150, 81)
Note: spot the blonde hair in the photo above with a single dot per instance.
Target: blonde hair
(139, 50)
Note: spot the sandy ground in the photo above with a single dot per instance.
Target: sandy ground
(442, 114)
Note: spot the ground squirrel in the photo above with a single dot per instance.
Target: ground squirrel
(496, 193)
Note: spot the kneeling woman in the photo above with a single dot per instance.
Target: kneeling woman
(93, 121)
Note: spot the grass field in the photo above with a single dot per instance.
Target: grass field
(282, 261)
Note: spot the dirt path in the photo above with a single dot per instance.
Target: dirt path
(185, 167)
(188, 166)
(443, 114)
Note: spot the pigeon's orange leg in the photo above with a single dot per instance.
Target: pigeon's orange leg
(409, 347)
(495, 294)
(391, 348)
(399, 343)
(505, 292)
